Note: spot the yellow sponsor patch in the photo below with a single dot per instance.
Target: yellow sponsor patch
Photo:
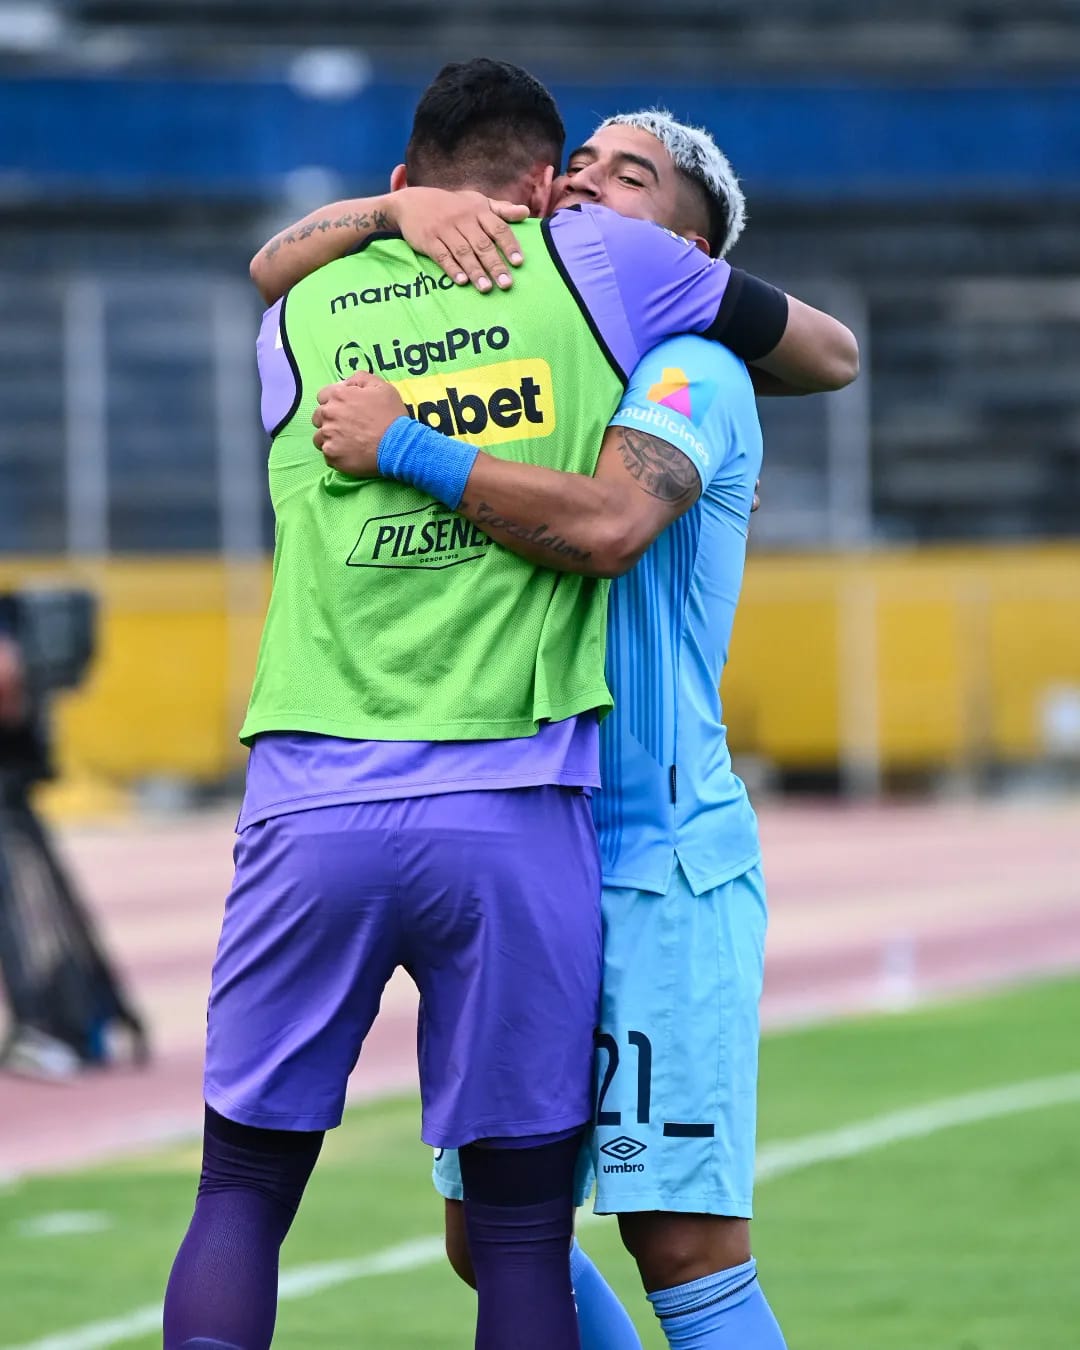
(510, 401)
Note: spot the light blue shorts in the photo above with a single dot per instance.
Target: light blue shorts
(677, 1052)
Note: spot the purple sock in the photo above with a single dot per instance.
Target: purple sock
(519, 1217)
(222, 1291)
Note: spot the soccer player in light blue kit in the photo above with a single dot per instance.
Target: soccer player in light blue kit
(684, 903)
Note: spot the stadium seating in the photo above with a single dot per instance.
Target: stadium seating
(966, 366)
(971, 382)
(147, 396)
(689, 34)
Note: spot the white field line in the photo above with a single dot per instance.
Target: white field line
(777, 1160)
(774, 1160)
(297, 1283)
(64, 1223)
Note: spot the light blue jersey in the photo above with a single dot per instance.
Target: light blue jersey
(669, 790)
(684, 909)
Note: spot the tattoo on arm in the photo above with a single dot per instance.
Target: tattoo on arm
(660, 470)
(536, 535)
(357, 221)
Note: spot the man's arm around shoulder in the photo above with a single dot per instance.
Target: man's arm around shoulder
(596, 526)
(669, 287)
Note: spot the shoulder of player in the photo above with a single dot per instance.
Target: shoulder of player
(367, 249)
(719, 402)
(700, 360)
(351, 266)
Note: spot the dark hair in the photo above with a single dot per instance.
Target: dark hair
(482, 124)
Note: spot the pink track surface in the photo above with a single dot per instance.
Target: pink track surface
(871, 907)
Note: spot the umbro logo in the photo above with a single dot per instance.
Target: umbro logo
(624, 1148)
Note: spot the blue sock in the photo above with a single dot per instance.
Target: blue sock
(605, 1324)
(725, 1311)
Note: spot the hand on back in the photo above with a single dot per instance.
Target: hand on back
(466, 233)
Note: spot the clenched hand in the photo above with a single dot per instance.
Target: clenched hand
(351, 419)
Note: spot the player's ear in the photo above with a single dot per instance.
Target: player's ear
(398, 179)
(539, 202)
(700, 242)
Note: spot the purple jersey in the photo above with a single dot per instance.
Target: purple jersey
(293, 771)
(638, 284)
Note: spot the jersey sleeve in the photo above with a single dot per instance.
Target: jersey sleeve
(681, 392)
(636, 282)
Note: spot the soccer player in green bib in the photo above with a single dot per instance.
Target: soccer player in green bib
(424, 727)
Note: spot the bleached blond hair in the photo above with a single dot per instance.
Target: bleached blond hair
(696, 156)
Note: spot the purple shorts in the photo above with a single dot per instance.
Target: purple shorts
(491, 902)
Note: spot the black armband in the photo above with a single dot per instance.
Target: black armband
(751, 318)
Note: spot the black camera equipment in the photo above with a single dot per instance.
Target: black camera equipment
(64, 996)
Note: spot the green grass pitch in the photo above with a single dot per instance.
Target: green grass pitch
(961, 1240)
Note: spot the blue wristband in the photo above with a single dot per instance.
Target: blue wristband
(420, 455)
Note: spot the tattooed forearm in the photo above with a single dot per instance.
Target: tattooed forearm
(660, 469)
(536, 535)
(360, 222)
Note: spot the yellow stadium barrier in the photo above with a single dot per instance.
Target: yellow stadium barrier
(940, 657)
(892, 660)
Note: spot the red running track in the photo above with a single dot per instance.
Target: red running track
(871, 906)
